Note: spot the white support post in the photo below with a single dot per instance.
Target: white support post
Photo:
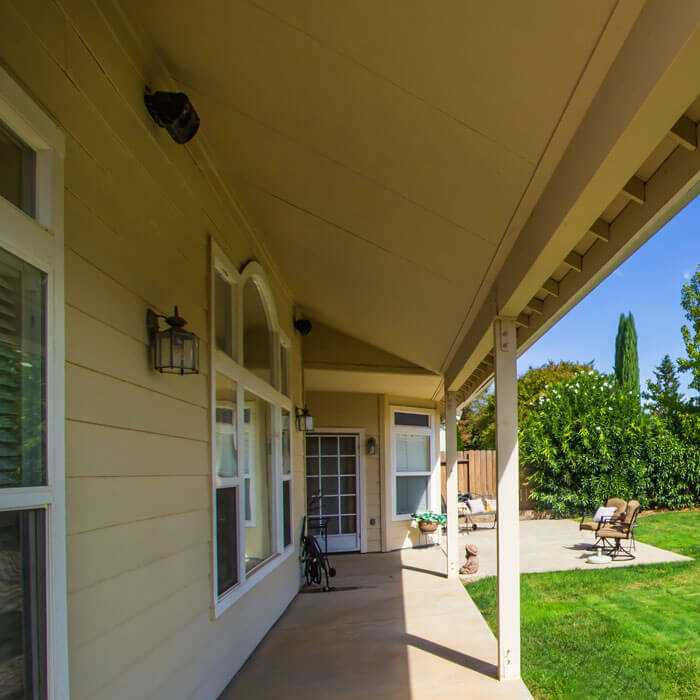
(451, 478)
(508, 500)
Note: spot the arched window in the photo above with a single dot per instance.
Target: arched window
(258, 348)
(251, 430)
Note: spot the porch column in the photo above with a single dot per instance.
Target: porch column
(508, 537)
(451, 478)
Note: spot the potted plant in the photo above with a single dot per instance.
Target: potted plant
(429, 521)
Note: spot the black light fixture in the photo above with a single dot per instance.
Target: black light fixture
(175, 350)
(305, 421)
(371, 446)
(303, 325)
(174, 112)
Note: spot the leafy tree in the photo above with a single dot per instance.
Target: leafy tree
(626, 356)
(690, 301)
(478, 419)
(587, 440)
(665, 399)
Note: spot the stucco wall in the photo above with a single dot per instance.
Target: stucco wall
(138, 211)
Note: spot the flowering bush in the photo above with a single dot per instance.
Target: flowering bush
(585, 440)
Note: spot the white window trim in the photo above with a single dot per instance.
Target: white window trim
(40, 242)
(433, 475)
(247, 381)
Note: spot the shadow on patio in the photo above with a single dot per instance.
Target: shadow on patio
(396, 628)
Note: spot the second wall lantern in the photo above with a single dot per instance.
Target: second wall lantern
(174, 350)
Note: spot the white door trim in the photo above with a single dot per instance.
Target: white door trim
(362, 495)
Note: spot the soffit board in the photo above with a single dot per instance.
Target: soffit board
(379, 151)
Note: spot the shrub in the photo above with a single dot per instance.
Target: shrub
(586, 440)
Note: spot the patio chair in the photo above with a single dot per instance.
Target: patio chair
(612, 534)
(593, 525)
(473, 504)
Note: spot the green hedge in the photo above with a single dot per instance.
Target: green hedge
(586, 440)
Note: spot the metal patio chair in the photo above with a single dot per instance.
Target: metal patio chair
(592, 525)
(617, 531)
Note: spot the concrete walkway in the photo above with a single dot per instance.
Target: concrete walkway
(394, 628)
(555, 545)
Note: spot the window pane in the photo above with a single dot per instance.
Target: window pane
(329, 466)
(411, 494)
(22, 373)
(412, 453)
(329, 445)
(347, 445)
(248, 501)
(259, 536)
(257, 338)
(286, 436)
(226, 538)
(347, 465)
(347, 484)
(329, 505)
(224, 315)
(414, 419)
(226, 429)
(333, 526)
(17, 172)
(329, 486)
(311, 445)
(348, 504)
(311, 465)
(22, 604)
(348, 524)
(313, 499)
(284, 370)
(287, 512)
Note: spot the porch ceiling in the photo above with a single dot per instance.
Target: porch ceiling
(386, 152)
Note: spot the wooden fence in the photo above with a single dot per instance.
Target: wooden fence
(476, 473)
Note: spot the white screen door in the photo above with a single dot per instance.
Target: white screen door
(332, 489)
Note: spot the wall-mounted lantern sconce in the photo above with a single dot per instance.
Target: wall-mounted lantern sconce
(305, 421)
(371, 446)
(175, 350)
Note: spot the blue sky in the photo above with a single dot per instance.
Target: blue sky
(649, 285)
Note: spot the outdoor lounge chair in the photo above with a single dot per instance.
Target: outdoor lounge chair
(476, 504)
(593, 525)
(612, 534)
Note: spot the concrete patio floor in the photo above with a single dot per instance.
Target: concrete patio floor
(554, 545)
(394, 628)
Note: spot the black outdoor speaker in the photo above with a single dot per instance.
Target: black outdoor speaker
(174, 112)
(303, 325)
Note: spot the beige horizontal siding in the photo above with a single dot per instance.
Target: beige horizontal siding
(99, 555)
(97, 398)
(103, 502)
(138, 213)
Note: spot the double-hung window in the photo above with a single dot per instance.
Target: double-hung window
(251, 433)
(33, 662)
(412, 462)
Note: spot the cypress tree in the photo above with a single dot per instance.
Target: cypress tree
(619, 341)
(626, 356)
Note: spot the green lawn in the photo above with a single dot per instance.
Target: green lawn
(630, 632)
